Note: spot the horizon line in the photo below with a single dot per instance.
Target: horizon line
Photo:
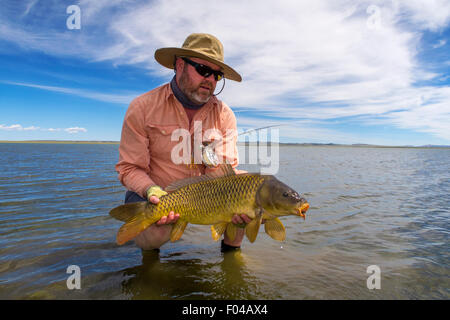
(239, 143)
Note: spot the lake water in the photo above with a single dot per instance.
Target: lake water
(387, 207)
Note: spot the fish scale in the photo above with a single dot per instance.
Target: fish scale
(209, 200)
(202, 202)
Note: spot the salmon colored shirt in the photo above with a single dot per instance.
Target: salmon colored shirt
(146, 144)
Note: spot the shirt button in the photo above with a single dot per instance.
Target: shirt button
(164, 131)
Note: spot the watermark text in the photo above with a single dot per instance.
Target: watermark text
(74, 280)
(374, 281)
(73, 22)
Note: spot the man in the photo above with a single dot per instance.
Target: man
(145, 164)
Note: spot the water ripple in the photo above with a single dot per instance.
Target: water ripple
(382, 206)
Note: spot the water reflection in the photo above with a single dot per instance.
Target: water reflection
(176, 277)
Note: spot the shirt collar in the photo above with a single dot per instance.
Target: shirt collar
(182, 97)
(213, 100)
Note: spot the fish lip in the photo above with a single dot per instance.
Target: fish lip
(302, 209)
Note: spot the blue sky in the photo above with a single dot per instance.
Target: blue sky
(374, 72)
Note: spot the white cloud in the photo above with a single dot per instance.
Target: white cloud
(299, 59)
(18, 127)
(431, 14)
(75, 130)
(106, 97)
(32, 128)
(11, 127)
(29, 6)
(441, 43)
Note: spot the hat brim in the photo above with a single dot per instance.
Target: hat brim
(166, 56)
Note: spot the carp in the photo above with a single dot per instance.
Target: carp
(214, 200)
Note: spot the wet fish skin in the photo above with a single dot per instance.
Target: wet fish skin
(214, 201)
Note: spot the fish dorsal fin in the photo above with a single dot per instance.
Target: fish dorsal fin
(184, 182)
(223, 170)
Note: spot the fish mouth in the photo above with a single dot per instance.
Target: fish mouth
(302, 209)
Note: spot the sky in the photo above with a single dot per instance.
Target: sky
(347, 72)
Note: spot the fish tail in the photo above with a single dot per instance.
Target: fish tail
(128, 211)
(136, 218)
(132, 228)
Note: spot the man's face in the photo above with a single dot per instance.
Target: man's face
(196, 87)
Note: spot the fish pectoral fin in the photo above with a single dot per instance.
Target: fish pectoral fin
(231, 231)
(275, 229)
(252, 229)
(132, 228)
(218, 229)
(127, 211)
(177, 230)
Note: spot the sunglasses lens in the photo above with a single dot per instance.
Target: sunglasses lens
(204, 71)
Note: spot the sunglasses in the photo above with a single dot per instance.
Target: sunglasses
(203, 70)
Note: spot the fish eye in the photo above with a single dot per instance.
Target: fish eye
(285, 194)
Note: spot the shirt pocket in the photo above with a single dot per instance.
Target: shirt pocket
(160, 137)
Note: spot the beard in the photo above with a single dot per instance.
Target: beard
(197, 94)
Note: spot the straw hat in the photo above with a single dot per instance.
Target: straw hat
(198, 45)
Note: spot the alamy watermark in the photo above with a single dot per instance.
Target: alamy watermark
(74, 280)
(263, 151)
(374, 280)
(74, 20)
(373, 22)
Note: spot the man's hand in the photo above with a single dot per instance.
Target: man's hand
(153, 195)
(170, 219)
(158, 233)
(155, 191)
(240, 221)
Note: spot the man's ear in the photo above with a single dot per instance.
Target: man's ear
(175, 63)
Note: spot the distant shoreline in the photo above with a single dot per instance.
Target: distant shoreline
(239, 144)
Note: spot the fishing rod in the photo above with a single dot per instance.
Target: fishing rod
(209, 157)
